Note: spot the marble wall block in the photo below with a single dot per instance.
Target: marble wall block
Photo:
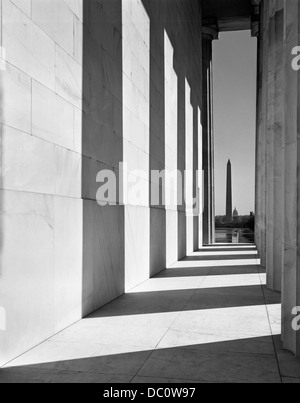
(15, 110)
(77, 130)
(68, 78)
(27, 277)
(56, 19)
(24, 5)
(77, 7)
(137, 245)
(41, 234)
(78, 40)
(36, 60)
(68, 244)
(27, 162)
(46, 105)
(68, 173)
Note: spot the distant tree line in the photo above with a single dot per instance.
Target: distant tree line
(242, 222)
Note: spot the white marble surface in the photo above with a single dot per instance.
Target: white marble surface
(27, 222)
(137, 245)
(68, 173)
(41, 260)
(68, 77)
(56, 19)
(68, 244)
(136, 140)
(24, 5)
(15, 98)
(27, 162)
(77, 7)
(36, 60)
(45, 89)
(77, 132)
(78, 40)
(45, 106)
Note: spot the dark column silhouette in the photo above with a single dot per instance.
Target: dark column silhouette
(229, 193)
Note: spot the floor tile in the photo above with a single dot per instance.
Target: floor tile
(190, 363)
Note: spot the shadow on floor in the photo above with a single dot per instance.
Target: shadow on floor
(184, 325)
(238, 361)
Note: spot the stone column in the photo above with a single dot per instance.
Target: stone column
(270, 148)
(274, 154)
(291, 274)
(262, 129)
(259, 139)
(208, 35)
(278, 168)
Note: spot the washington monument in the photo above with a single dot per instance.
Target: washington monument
(229, 193)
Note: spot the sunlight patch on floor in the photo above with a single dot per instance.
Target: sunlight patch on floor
(102, 337)
(225, 253)
(215, 263)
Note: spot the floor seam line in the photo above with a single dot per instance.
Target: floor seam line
(179, 313)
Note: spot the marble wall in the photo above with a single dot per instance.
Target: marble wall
(175, 60)
(86, 85)
(41, 171)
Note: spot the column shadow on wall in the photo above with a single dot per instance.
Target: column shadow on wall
(104, 232)
(102, 149)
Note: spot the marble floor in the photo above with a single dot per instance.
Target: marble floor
(209, 318)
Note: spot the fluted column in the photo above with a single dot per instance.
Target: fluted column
(259, 167)
(262, 116)
(291, 274)
(275, 192)
(278, 168)
(270, 148)
(208, 35)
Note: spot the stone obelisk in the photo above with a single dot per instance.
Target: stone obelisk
(229, 193)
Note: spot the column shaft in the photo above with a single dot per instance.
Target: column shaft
(208, 140)
(270, 151)
(259, 139)
(291, 275)
(263, 128)
(278, 173)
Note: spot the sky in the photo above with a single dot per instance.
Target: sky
(234, 75)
